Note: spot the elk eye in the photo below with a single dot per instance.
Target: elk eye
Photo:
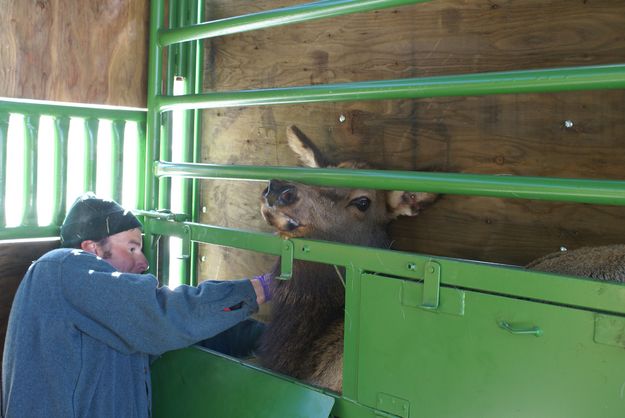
(361, 203)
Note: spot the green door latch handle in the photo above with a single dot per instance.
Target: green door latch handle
(521, 331)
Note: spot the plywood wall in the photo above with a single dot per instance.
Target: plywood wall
(507, 134)
(77, 51)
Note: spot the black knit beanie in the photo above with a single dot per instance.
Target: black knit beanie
(91, 218)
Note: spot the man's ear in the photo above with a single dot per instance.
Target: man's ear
(408, 203)
(88, 246)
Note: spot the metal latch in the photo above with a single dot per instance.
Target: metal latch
(286, 260)
(431, 285)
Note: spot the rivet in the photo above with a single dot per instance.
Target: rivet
(563, 248)
(412, 266)
(342, 118)
(203, 258)
(568, 124)
(432, 269)
(204, 210)
(306, 249)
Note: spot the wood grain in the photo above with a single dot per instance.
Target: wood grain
(504, 134)
(88, 52)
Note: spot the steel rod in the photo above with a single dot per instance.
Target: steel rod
(4, 139)
(66, 109)
(275, 17)
(116, 173)
(90, 159)
(608, 192)
(31, 139)
(61, 139)
(509, 82)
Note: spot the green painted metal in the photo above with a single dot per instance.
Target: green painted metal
(4, 131)
(90, 160)
(29, 169)
(116, 173)
(277, 17)
(197, 80)
(29, 232)
(504, 280)
(61, 140)
(32, 110)
(510, 82)
(608, 192)
(64, 109)
(447, 366)
(153, 124)
(193, 383)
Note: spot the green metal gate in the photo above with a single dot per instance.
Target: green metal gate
(468, 339)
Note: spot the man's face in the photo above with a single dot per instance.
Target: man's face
(123, 251)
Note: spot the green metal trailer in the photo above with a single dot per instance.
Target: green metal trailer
(425, 336)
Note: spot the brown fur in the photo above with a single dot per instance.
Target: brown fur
(305, 336)
(602, 263)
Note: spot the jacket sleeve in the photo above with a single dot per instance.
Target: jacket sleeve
(130, 313)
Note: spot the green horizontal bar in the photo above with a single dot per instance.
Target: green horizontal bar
(505, 280)
(237, 238)
(44, 107)
(606, 192)
(22, 232)
(509, 82)
(276, 17)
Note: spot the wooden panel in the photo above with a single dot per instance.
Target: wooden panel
(90, 52)
(505, 134)
(15, 257)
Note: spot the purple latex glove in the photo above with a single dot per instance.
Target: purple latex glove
(265, 280)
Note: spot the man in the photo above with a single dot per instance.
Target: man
(85, 321)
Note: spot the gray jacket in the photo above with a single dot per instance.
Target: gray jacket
(80, 335)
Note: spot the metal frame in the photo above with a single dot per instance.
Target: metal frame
(62, 112)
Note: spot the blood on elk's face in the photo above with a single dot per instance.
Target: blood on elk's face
(353, 216)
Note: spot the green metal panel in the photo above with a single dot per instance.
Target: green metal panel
(79, 110)
(4, 131)
(194, 383)
(61, 140)
(424, 363)
(505, 280)
(508, 82)
(29, 169)
(277, 17)
(608, 192)
(116, 173)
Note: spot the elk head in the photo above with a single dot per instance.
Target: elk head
(351, 216)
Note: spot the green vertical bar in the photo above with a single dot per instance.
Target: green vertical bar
(197, 66)
(31, 133)
(4, 133)
(116, 173)
(353, 280)
(90, 160)
(61, 135)
(153, 126)
(139, 201)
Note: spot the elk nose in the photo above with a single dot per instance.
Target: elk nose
(279, 193)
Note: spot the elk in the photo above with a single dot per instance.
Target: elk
(602, 263)
(304, 338)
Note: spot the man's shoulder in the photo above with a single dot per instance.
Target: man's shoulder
(71, 256)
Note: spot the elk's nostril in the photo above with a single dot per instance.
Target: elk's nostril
(279, 193)
(287, 196)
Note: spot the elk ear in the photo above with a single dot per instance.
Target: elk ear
(305, 149)
(408, 203)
